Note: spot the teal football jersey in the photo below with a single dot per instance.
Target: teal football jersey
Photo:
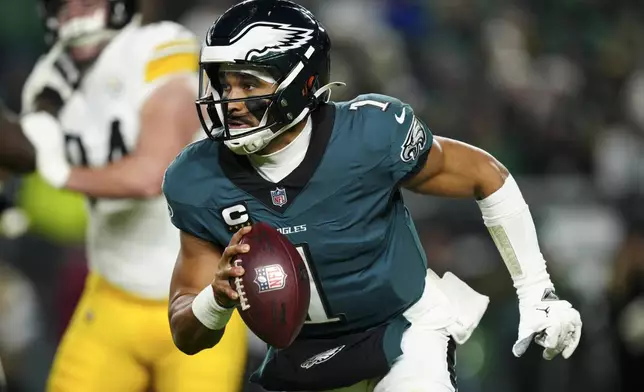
(341, 207)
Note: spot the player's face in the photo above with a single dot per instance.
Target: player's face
(236, 85)
(81, 24)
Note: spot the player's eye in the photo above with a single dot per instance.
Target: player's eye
(249, 83)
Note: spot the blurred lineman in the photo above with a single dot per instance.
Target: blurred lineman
(328, 175)
(105, 111)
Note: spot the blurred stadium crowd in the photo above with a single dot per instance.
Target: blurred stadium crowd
(553, 88)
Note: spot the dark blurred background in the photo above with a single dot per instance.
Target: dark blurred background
(552, 88)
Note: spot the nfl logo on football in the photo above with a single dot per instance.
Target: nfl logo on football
(269, 278)
(279, 197)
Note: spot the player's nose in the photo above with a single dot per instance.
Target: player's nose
(236, 106)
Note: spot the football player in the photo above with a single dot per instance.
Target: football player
(329, 176)
(105, 111)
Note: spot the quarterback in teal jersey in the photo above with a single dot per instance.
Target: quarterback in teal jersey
(328, 175)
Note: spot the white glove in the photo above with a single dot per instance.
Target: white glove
(552, 323)
(45, 134)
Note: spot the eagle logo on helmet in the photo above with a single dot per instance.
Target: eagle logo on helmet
(261, 38)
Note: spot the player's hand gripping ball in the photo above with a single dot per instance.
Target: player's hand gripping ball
(274, 292)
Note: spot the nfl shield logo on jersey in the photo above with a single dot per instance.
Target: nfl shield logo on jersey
(269, 278)
(279, 196)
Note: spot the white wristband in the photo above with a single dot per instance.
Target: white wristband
(510, 224)
(208, 311)
(44, 133)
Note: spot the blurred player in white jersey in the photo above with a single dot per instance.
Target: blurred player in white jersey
(104, 113)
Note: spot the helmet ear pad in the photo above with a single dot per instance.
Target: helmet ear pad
(296, 92)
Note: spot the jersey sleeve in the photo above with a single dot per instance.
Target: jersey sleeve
(184, 214)
(400, 139)
(166, 51)
(189, 219)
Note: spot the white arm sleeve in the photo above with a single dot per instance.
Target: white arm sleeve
(508, 219)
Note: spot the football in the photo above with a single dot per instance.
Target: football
(274, 292)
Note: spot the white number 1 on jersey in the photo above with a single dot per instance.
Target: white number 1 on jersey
(318, 313)
(369, 102)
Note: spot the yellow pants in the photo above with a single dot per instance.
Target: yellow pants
(118, 343)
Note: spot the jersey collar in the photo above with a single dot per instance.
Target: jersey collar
(239, 170)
